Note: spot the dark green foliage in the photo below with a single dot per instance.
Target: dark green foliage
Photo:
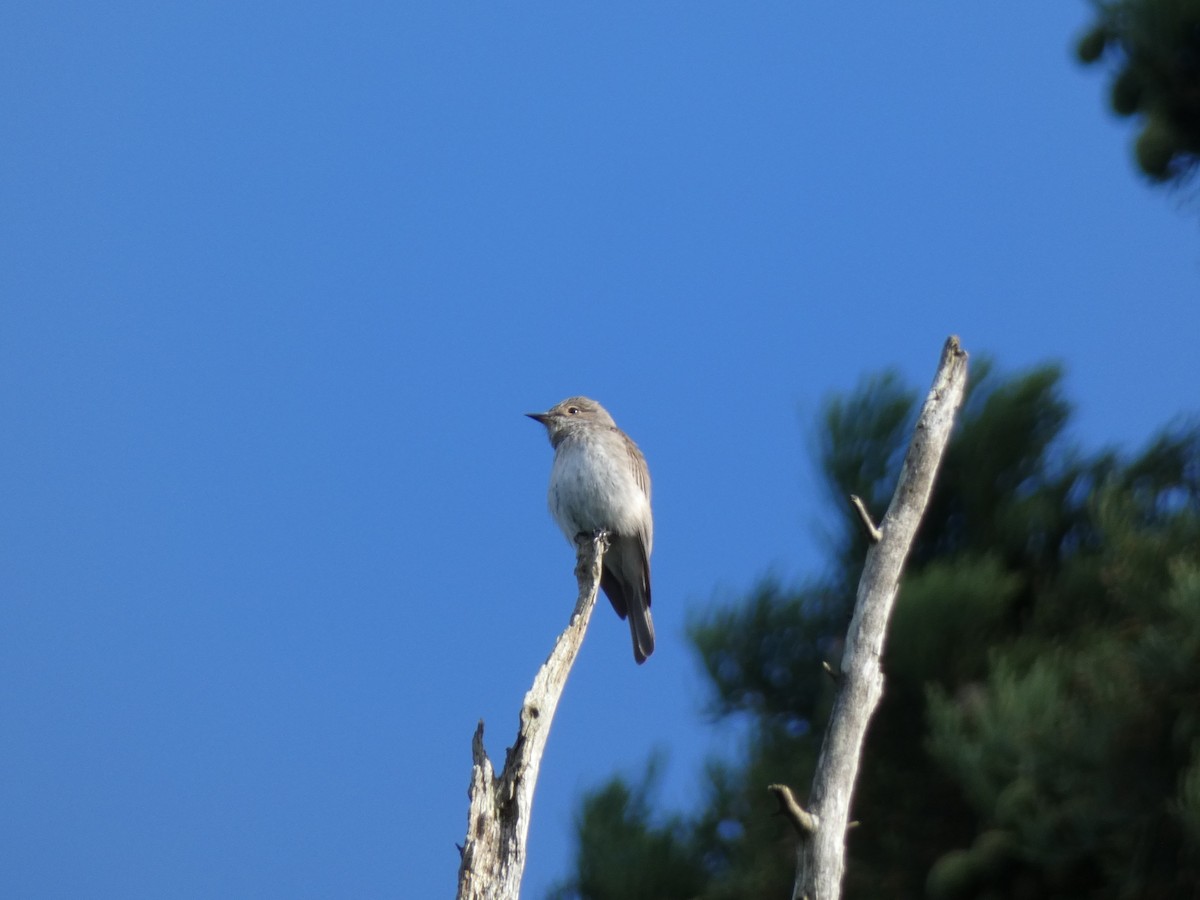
(1156, 147)
(970, 599)
(1092, 45)
(968, 873)
(1082, 756)
(1039, 734)
(1127, 92)
(749, 654)
(1153, 47)
(627, 855)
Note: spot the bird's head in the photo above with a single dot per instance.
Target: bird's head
(571, 415)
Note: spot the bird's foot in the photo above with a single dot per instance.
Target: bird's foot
(587, 537)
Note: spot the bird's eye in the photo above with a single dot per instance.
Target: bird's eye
(572, 410)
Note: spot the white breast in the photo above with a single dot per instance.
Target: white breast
(589, 492)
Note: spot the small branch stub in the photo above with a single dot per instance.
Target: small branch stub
(493, 856)
(864, 516)
(802, 820)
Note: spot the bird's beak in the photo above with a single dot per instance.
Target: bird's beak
(539, 417)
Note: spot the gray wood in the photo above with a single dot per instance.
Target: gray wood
(821, 857)
(493, 856)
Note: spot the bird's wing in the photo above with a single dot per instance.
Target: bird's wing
(641, 474)
(637, 463)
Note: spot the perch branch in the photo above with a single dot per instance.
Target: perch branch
(493, 856)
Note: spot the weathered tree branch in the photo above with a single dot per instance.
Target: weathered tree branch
(493, 857)
(821, 856)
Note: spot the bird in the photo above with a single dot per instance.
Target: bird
(600, 482)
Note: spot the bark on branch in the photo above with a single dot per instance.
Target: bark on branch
(493, 856)
(821, 856)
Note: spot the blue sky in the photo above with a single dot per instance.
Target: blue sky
(277, 282)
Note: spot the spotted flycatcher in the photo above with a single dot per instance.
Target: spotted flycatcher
(599, 482)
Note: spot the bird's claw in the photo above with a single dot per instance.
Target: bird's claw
(600, 534)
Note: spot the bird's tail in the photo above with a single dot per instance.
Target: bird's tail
(642, 628)
(625, 578)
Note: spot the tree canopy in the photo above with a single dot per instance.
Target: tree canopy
(1039, 734)
(1153, 51)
